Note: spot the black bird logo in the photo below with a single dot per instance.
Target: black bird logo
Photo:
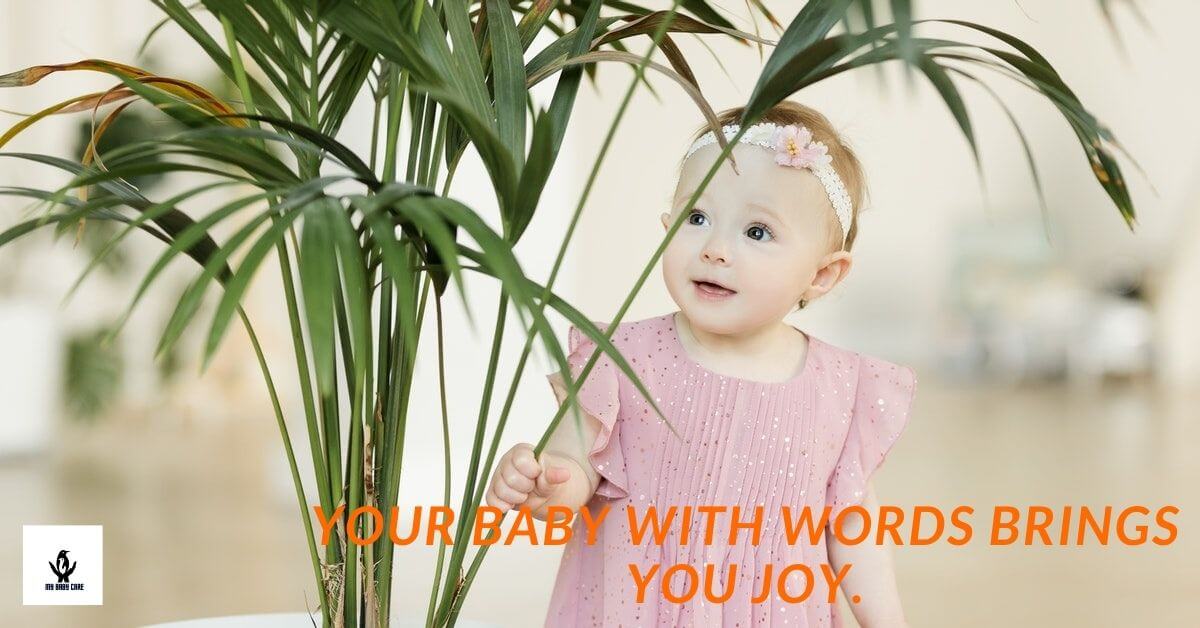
(65, 568)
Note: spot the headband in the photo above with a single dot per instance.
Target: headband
(793, 147)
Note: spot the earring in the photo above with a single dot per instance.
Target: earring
(803, 302)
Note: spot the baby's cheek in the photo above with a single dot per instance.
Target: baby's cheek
(776, 290)
(674, 258)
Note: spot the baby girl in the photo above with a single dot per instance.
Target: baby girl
(767, 416)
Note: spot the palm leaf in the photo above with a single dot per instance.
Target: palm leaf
(510, 79)
(805, 65)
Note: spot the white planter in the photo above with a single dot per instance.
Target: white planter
(296, 620)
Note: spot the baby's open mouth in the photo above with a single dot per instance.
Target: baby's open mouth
(715, 289)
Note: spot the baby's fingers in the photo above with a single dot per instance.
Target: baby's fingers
(511, 485)
(522, 459)
(509, 488)
(551, 477)
(494, 501)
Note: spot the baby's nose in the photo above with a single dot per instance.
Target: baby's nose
(714, 251)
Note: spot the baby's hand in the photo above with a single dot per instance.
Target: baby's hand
(522, 480)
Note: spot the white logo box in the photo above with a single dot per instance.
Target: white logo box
(41, 555)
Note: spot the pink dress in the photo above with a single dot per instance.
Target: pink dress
(812, 440)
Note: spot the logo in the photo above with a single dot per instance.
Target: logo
(63, 570)
(63, 565)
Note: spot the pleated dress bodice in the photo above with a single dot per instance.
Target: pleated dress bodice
(811, 440)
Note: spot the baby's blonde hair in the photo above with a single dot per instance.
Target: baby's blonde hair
(845, 162)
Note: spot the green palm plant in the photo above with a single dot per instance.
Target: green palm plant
(357, 267)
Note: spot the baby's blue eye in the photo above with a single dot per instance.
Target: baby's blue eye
(693, 215)
(763, 234)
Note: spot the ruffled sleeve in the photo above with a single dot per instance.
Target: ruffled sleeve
(598, 396)
(879, 415)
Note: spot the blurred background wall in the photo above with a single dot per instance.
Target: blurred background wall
(1057, 356)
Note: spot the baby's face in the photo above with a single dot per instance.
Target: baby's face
(764, 234)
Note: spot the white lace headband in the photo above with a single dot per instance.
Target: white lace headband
(793, 147)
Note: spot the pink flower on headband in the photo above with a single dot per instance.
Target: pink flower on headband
(794, 147)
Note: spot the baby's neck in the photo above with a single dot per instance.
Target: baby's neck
(775, 352)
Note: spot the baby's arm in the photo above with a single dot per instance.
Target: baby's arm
(519, 479)
(872, 576)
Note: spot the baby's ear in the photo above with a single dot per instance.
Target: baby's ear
(832, 270)
(666, 216)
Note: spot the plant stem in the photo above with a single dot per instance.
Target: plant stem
(375, 115)
(469, 506)
(291, 456)
(416, 136)
(314, 436)
(395, 99)
(439, 144)
(314, 76)
(446, 480)
(427, 135)
(353, 474)
(399, 421)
